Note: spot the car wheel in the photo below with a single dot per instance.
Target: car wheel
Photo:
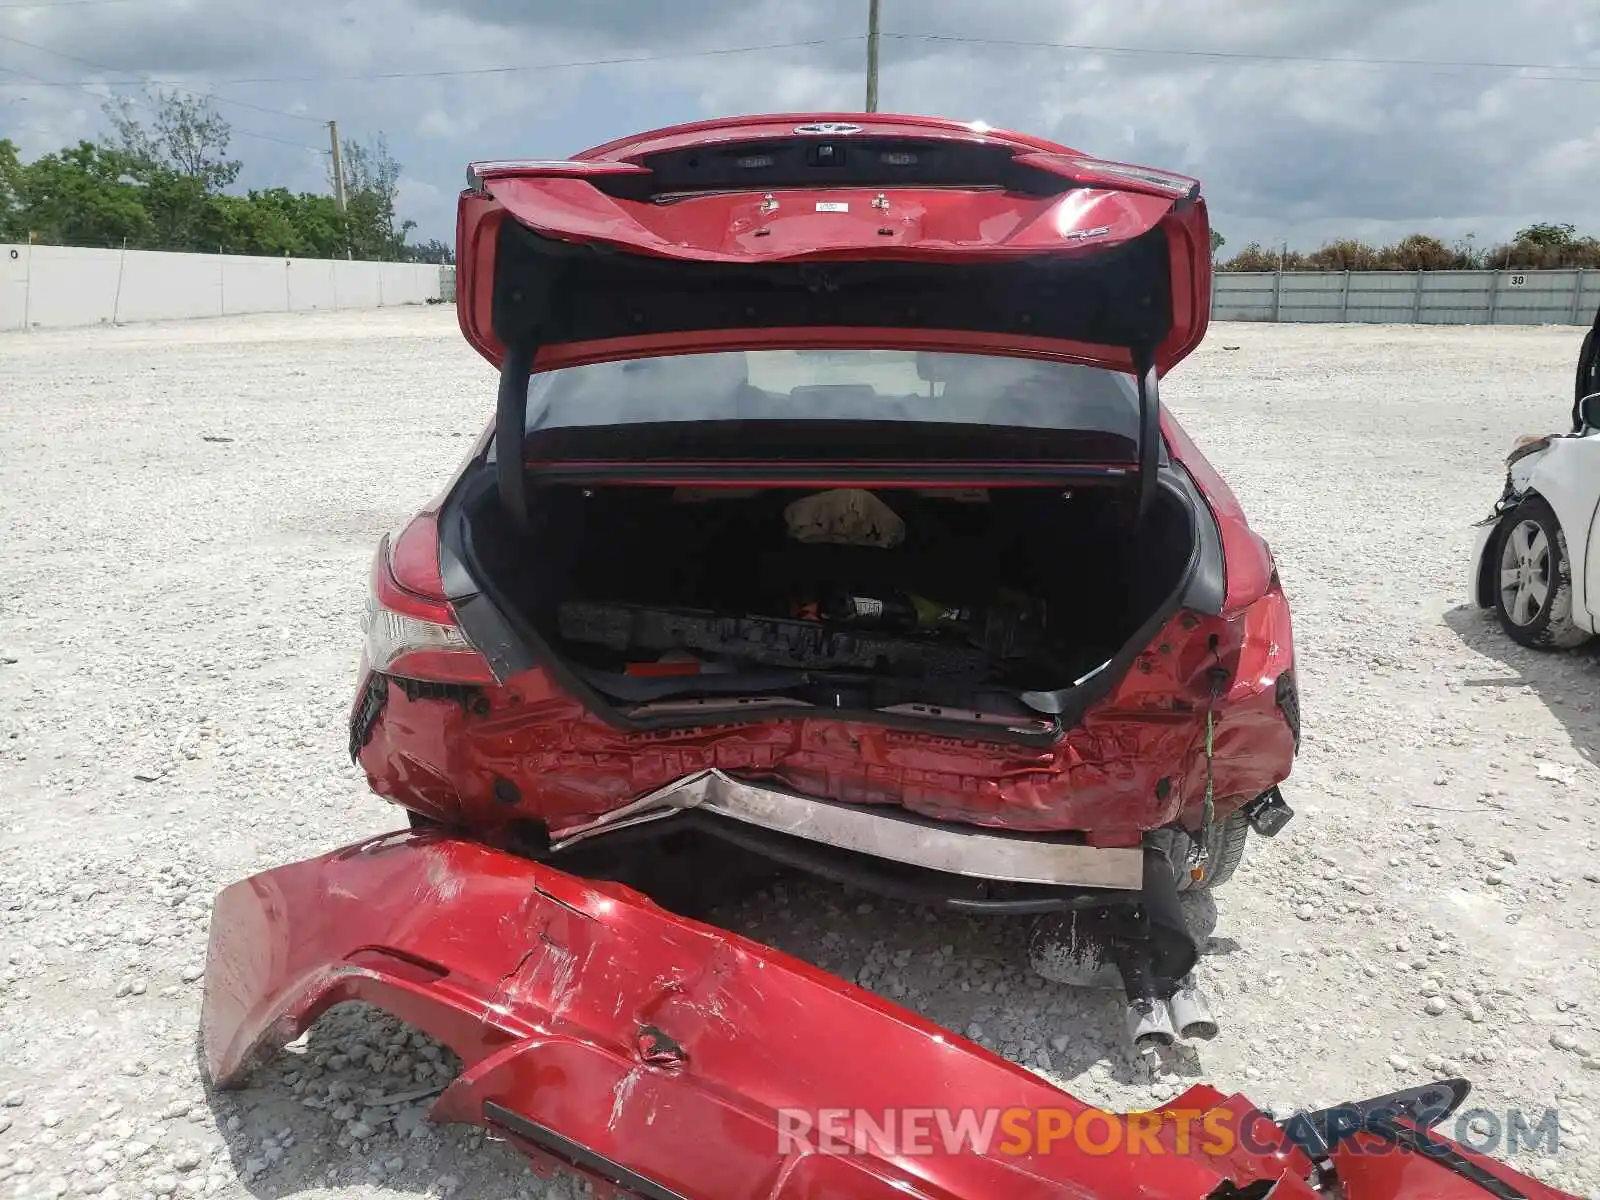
(1533, 587)
(1224, 851)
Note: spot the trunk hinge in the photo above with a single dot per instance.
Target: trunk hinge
(510, 425)
(1149, 381)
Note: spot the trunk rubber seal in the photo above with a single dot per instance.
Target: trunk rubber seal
(803, 474)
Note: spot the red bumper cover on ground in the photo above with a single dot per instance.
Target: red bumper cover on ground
(677, 1059)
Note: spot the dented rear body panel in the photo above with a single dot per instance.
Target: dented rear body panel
(1133, 763)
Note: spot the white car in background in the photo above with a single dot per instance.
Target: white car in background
(1537, 557)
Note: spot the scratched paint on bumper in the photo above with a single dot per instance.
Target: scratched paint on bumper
(663, 1046)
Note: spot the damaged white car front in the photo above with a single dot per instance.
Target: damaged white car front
(1536, 560)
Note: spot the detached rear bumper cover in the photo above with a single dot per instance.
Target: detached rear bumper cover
(666, 1055)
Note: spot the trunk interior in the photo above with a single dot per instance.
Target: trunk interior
(672, 598)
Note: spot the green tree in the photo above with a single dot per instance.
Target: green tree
(241, 225)
(179, 155)
(1469, 256)
(1419, 252)
(184, 134)
(1217, 242)
(314, 219)
(13, 226)
(161, 186)
(178, 205)
(372, 186)
(1255, 257)
(430, 251)
(82, 196)
(1547, 235)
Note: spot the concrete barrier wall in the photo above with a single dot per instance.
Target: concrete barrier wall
(1409, 297)
(54, 287)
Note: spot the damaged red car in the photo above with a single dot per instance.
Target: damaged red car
(829, 511)
(829, 520)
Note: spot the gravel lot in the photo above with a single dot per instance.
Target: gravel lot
(188, 512)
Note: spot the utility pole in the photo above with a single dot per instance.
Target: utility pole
(872, 56)
(338, 178)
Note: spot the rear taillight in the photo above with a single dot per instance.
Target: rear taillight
(409, 626)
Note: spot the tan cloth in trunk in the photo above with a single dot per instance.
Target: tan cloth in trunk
(847, 517)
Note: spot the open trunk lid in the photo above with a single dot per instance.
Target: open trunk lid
(891, 231)
(857, 231)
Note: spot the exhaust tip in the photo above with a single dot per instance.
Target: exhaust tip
(1191, 1015)
(1150, 1024)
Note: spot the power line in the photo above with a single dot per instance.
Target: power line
(623, 60)
(1252, 56)
(99, 66)
(505, 70)
(88, 88)
(620, 60)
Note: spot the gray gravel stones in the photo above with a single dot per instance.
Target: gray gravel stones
(1562, 1040)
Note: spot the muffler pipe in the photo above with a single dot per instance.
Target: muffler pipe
(1191, 1015)
(1149, 1024)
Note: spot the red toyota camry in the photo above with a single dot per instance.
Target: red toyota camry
(829, 510)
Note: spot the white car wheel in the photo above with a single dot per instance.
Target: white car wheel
(1533, 580)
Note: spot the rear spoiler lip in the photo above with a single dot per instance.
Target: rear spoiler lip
(479, 174)
(1074, 170)
(721, 132)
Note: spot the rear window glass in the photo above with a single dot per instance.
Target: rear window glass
(837, 385)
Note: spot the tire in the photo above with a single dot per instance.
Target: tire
(1532, 579)
(1224, 851)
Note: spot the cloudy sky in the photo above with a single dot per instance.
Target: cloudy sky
(1236, 92)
